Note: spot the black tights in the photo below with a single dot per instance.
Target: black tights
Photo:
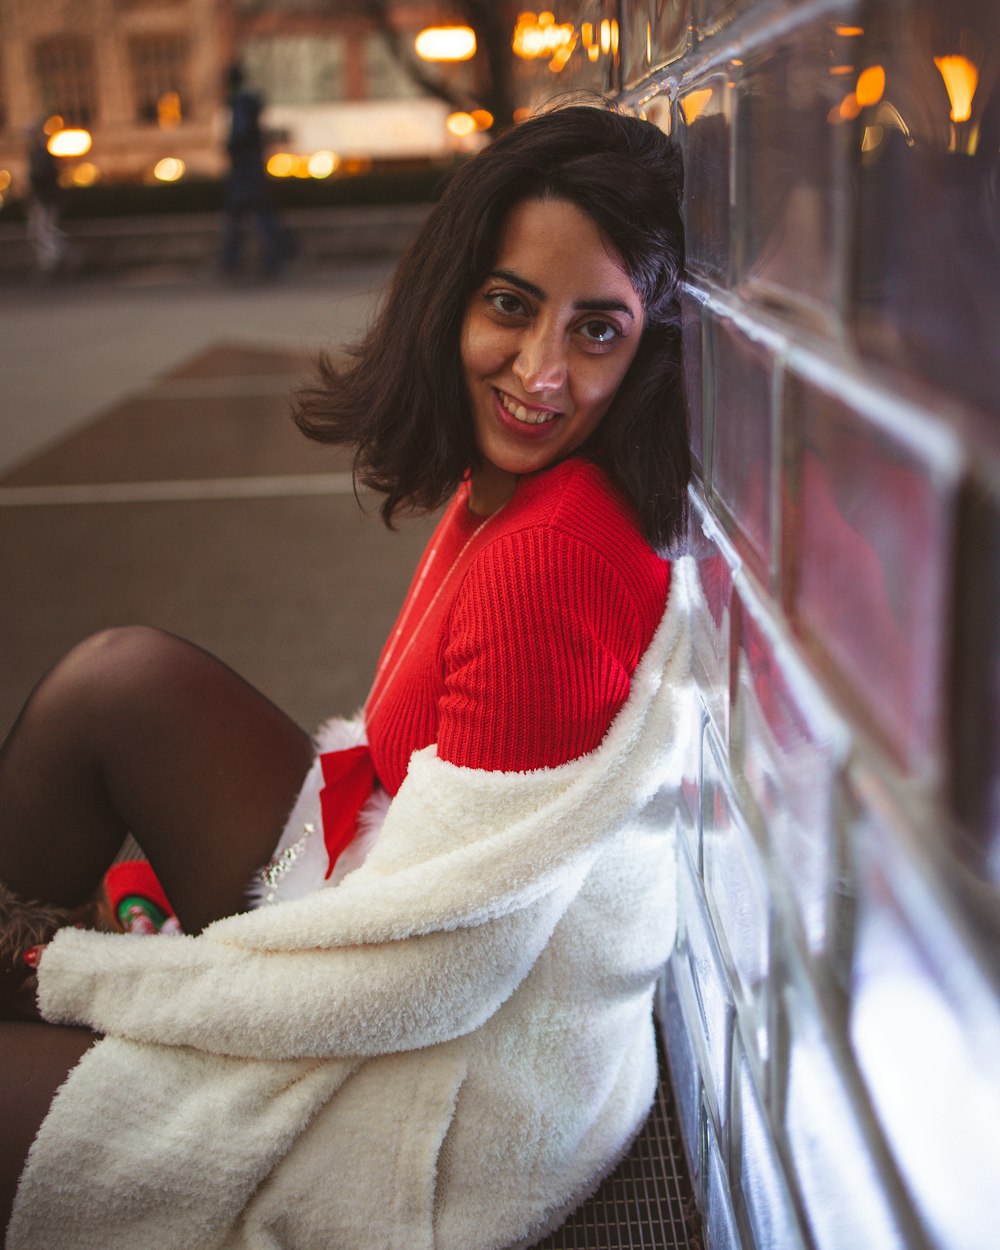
(134, 731)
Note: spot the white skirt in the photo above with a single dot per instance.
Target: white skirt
(300, 860)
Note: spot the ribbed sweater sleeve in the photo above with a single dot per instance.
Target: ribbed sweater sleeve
(542, 638)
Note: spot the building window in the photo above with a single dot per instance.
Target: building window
(385, 77)
(296, 69)
(66, 80)
(159, 79)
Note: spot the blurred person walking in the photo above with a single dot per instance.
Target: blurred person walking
(247, 192)
(47, 240)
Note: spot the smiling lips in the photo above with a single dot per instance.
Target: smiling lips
(527, 416)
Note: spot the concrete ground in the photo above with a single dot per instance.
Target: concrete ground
(149, 472)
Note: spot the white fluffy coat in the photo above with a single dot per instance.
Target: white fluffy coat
(446, 1052)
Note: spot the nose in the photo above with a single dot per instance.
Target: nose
(540, 364)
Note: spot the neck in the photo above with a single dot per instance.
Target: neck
(489, 489)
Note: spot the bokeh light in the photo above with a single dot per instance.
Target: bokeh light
(446, 43)
(170, 169)
(71, 142)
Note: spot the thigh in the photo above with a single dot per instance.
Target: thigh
(138, 731)
(35, 1059)
(222, 766)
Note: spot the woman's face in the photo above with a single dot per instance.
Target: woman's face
(547, 340)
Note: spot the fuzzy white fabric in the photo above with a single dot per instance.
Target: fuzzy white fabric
(446, 1052)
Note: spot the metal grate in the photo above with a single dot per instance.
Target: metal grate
(647, 1203)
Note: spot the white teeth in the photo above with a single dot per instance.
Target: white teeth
(520, 413)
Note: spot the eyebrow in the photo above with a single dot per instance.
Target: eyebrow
(588, 305)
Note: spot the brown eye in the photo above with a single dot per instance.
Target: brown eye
(505, 302)
(599, 331)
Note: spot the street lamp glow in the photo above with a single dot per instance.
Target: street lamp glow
(461, 124)
(70, 143)
(170, 169)
(446, 43)
(323, 164)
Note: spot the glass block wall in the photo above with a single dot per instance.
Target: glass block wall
(832, 1006)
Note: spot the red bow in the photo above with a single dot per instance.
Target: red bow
(349, 778)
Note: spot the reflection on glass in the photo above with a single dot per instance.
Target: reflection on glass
(655, 33)
(737, 893)
(926, 1032)
(706, 112)
(785, 742)
(974, 722)
(928, 227)
(691, 338)
(841, 1188)
(721, 1232)
(710, 619)
(872, 526)
(741, 472)
(759, 1174)
(711, 989)
(791, 177)
(680, 1018)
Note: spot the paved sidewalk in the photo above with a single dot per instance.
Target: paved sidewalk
(149, 472)
(70, 348)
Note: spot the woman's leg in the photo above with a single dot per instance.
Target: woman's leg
(138, 731)
(35, 1059)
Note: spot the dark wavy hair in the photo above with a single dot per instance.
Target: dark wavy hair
(401, 399)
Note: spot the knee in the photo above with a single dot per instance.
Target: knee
(109, 664)
(117, 650)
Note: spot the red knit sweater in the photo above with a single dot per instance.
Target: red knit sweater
(515, 646)
(517, 641)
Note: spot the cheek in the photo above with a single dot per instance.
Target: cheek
(597, 390)
(482, 348)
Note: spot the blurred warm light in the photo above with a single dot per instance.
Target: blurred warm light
(593, 52)
(70, 143)
(85, 174)
(170, 169)
(323, 164)
(848, 32)
(461, 124)
(961, 78)
(871, 85)
(539, 34)
(356, 165)
(522, 114)
(446, 43)
(850, 107)
(5, 179)
(839, 71)
(694, 103)
(483, 118)
(605, 36)
(281, 165)
(168, 110)
(52, 124)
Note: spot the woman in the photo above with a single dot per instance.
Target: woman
(454, 1044)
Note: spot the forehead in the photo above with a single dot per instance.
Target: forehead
(556, 245)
